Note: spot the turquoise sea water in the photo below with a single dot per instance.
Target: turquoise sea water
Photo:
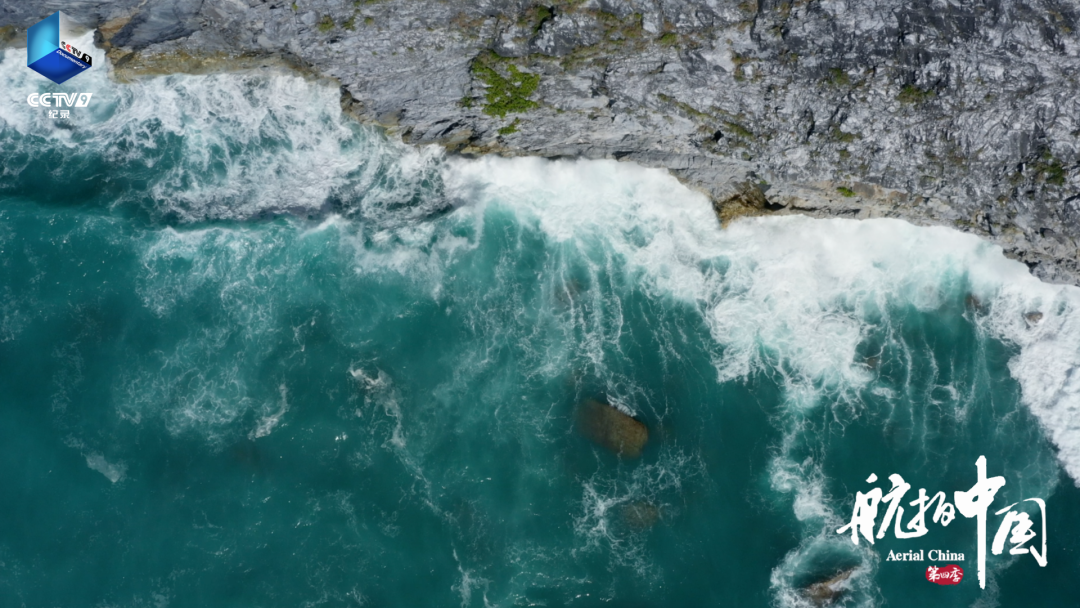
(252, 354)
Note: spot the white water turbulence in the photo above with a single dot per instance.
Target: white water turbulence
(211, 147)
(796, 293)
(798, 299)
(377, 350)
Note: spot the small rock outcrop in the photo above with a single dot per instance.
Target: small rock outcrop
(747, 201)
(607, 427)
(641, 514)
(826, 592)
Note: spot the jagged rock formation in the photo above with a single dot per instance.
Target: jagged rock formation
(950, 112)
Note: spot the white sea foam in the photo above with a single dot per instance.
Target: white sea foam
(858, 588)
(469, 582)
(379, 391)
(794, 297)
(20, 82)
(791, 293)
(268, 423)
(230, 146)
(806, 481)
(605, 521)
(114, 472)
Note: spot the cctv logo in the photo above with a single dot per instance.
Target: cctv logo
(48, 54)
(59, 100)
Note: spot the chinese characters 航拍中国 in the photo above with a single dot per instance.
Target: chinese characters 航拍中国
(972, 503)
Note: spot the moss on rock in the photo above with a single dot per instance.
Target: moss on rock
(506, 93)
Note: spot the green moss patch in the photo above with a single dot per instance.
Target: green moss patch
(510, 128)
(913, 94)
(843, 136)
(543, 15)
(739, 130)
(507, 93)
(837, 78)
(1049, 169)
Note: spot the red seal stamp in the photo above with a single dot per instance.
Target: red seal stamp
(945, 575)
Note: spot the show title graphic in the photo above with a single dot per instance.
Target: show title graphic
(973, 503)
(48, 53)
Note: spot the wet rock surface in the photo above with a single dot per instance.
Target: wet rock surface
(964, 114)
(641, 515)
(827, 592)
(610, 428)
(747, 201)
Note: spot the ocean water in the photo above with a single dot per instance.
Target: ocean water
(254, 354)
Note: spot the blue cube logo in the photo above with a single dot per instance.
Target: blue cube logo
(49, 53)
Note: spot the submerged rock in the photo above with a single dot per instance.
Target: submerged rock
(825, 593)
(641, 514)
(972, 302)
(568, 292)
(606, 426)
(1033, 317)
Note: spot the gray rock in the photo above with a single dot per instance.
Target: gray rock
(160, 22)
(747, 200)
(961, 114)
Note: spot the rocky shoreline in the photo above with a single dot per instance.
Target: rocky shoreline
(946, 113)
